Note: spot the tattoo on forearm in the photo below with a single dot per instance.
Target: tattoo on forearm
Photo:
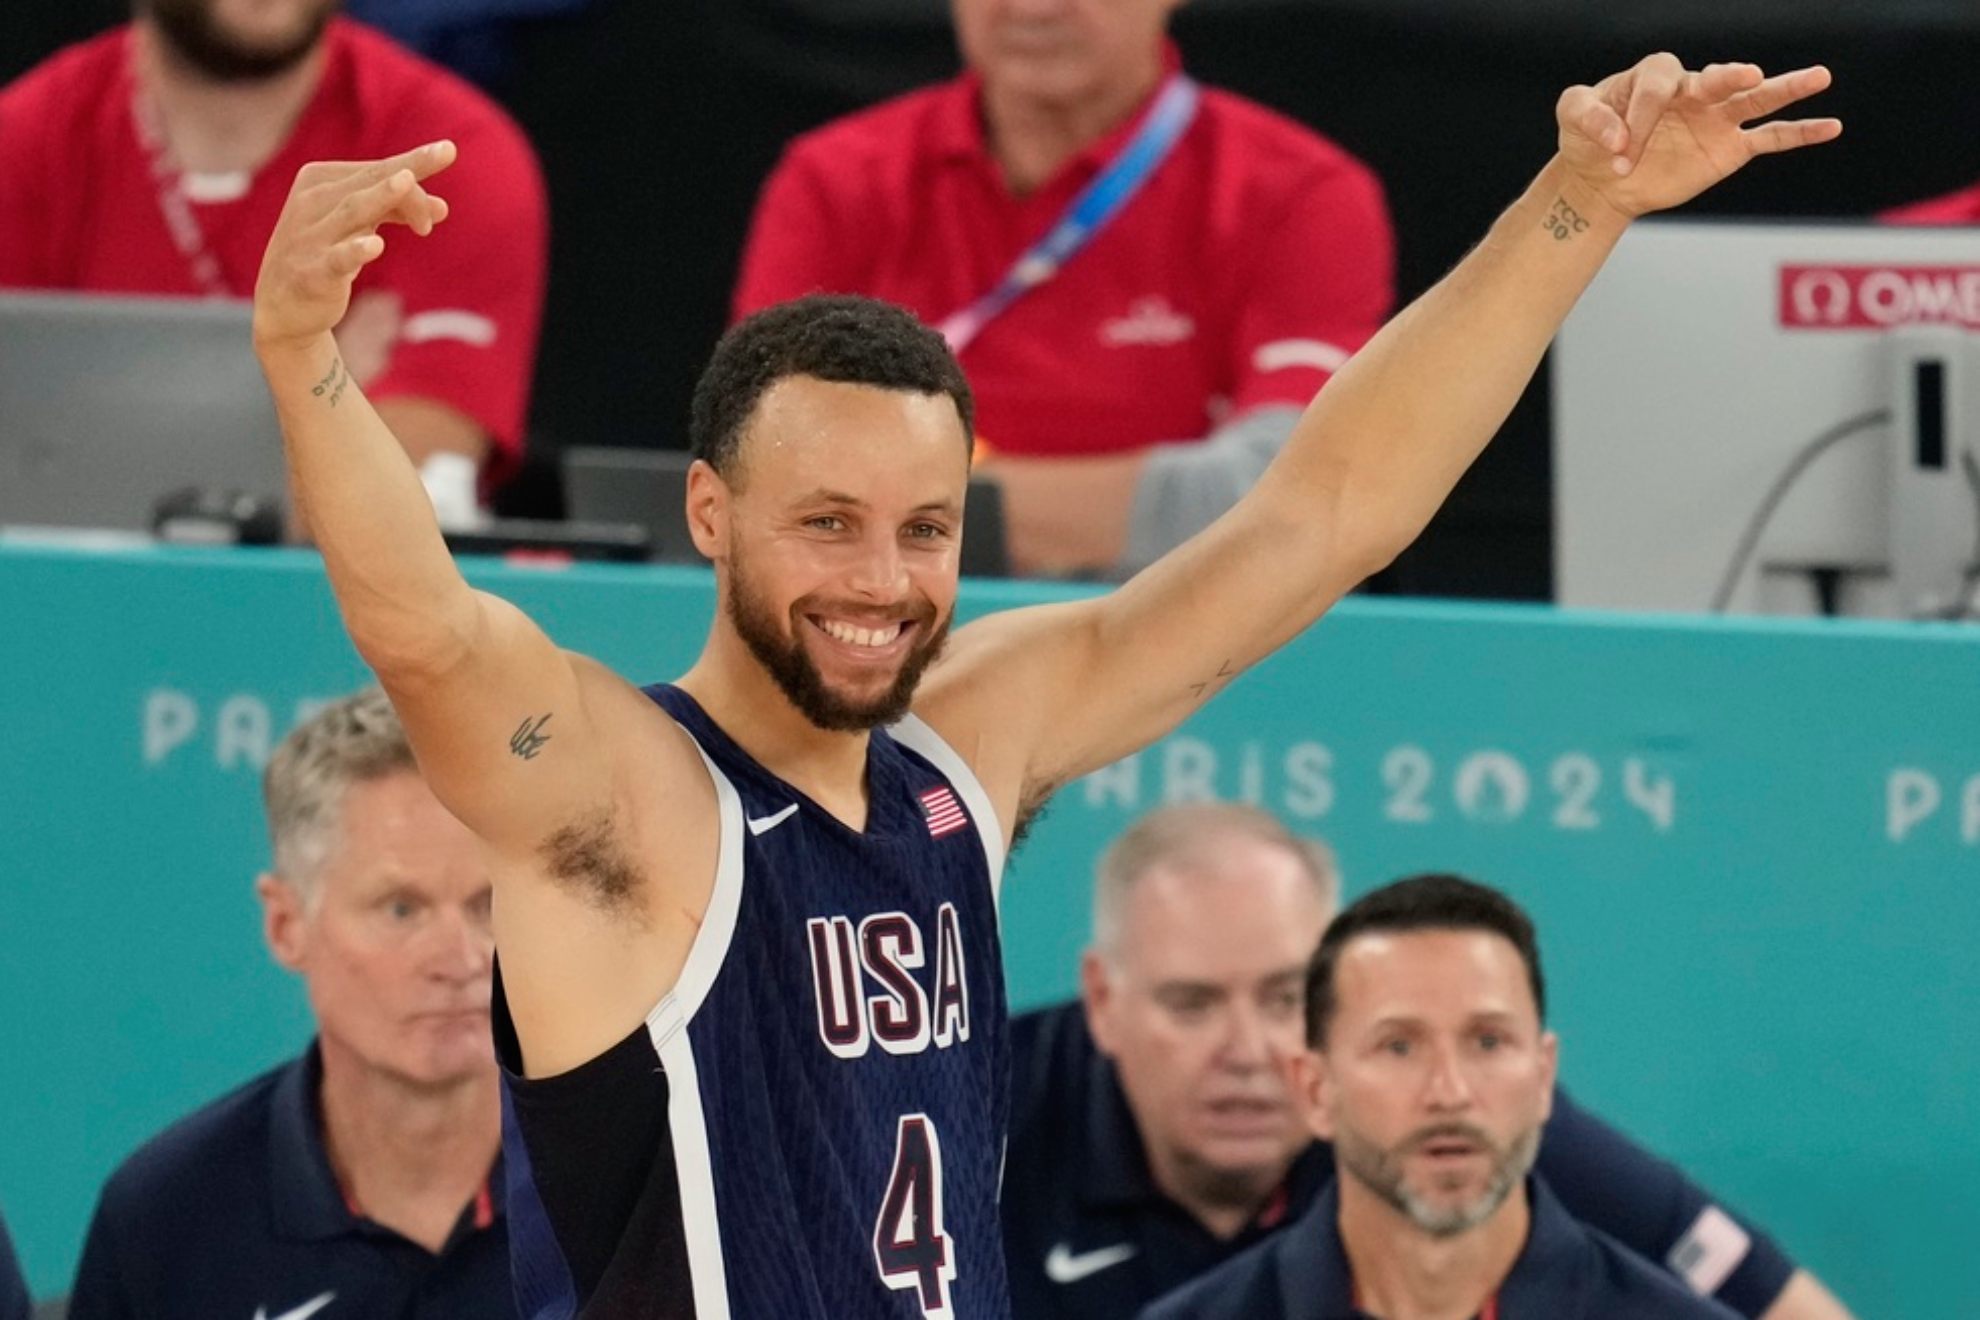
(1563, 222)
(1211, 686)
(333, 382)
(528, 739)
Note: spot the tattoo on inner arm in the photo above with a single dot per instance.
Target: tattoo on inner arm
(528, 739)
(333, 383)
(1215, 683)
(1563, 222)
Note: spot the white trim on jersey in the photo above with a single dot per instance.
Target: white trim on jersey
(694, 1163)
(667, 1024)
(914, 733)
(718, 926)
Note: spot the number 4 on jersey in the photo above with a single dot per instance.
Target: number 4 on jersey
(909, 1245)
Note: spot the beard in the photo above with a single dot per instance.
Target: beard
(1383, 1173)
(203, 42)
(782, 654)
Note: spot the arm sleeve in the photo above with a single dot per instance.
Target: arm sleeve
(1186, 487)
(13, 1288)
(101, 1292)
(471, 294)
(794, 245)
(1650, 1206)
(1317, 287)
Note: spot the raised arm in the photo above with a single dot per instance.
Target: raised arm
(1381, 446)
(503, 721)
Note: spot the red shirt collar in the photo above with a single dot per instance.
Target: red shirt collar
(957, 127)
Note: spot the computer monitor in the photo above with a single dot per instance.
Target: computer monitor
(107, 405)
(1771, 417)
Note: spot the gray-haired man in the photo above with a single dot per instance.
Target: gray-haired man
(362, 1178)
(1153, 1136)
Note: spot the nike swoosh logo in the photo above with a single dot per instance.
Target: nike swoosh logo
(303, 1312)
(757, 825)
(1061, 1266)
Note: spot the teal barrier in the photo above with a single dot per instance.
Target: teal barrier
(1753, 851)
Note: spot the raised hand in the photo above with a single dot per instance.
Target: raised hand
(328, 232)
(1659, 134)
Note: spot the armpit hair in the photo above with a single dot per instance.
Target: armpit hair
(1031, 806)
(588, 857)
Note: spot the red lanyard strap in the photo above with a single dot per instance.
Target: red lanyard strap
(168, 179)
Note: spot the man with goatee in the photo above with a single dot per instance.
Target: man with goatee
(153, 159)
(1430, 1068)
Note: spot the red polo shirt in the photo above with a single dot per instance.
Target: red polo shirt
(1960, 208)
(1246, 269)
(79, 210)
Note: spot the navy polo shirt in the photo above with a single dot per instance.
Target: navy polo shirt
(234, 1214)
(13, 1288)
(1089, 1236)
(1566, 1271)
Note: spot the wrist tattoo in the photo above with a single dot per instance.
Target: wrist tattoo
(1563, 222)
(333, 382)
(528, 739)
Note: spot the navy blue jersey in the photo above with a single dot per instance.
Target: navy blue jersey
(1566, 1271)
(234, 1212)
(823, 1133)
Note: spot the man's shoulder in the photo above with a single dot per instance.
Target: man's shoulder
(1953, 208)
(1631, 1288)
(1054, 1033)
(221, 1144)
(1245, 1287)
(73, 79)
(1051, 1056)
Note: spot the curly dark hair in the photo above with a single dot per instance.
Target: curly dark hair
(835, 337)
(1420, 902)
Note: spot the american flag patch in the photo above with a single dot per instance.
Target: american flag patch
(944, 813)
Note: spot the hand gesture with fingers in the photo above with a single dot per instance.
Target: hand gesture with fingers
(1659, 134)
(328, 232)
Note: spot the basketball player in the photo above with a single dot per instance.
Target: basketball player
(747, 920)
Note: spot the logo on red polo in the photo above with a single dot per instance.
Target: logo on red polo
(1878, 297)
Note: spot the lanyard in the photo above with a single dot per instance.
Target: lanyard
(1174, 111)
(180, 221)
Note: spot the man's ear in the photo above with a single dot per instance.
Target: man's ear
(1099, 994)
(1311, 1084)
(284, 920)
(708, 498)
(1550, 1063)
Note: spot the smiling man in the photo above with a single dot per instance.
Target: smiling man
(1431, 1071)
(1141, 389)
(754, 1004)
(361, 1179)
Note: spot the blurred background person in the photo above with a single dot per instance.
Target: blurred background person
(1153, 1136)
(1954, 208)
(1230, 260)
(154, 158)
(365, 1174)
(1430, 1069)
(13, 1288)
